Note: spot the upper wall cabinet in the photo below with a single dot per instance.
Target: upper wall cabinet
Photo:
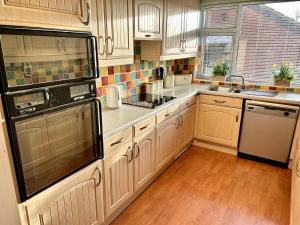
(180, 34)
(148, 19)
(115, 32)
(67, 15)
(181, 28)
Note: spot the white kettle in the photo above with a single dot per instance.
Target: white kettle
(113, 99)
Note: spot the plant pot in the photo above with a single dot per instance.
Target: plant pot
(218, 78)
(283, 83)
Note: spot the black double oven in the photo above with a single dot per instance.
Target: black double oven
(48, 92)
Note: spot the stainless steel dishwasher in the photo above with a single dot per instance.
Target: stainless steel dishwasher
(267, 132)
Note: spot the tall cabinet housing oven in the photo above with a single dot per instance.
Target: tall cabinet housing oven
(48, 91)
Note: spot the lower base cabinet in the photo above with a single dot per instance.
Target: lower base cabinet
(187, 124)
(295, 196)
(144, 152)
(76, 200)
(118, 169)
(166, 142)
(218, 124)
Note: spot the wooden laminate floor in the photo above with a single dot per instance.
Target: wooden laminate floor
(206, 187)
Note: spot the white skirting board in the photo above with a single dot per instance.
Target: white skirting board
(215, 147)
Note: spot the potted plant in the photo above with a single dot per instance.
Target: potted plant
(220, 69)
(285, 74)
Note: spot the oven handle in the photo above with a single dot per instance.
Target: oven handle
(100, 152)
(95, 56)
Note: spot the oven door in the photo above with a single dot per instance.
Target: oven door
(31, 58)
(55, 144)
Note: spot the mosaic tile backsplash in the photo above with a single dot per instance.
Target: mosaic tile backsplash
(41, 72)
(132, 77)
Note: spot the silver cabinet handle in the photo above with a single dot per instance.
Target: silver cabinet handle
(99, 177)
(144, 127)
(298, 167)
(137, 147)
(117, 142)
(112, 45)
(129, 150)
(86, 20)
(178, 122)
(103, 43)
(181, 120)
(41, 218)
(168, 114)
(183, 46)
(219, 102)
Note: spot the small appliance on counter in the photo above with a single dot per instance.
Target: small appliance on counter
(154, 87)
(114, 96)
(147, 100)
(183, 79)
(162, 73)
(169, 81)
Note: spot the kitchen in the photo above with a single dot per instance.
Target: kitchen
(149, 112)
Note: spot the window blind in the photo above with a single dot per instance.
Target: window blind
(221, 17)
(216, 47)
(267, 37)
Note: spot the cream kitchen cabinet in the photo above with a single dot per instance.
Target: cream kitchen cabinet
(118, 169)
(77, 199)
(218, 124)
(42, 45)
(186, 127)
(181, 25)
(144, 153)
(295, 196)
(166, 142)
(115, 32)
(148, 19)
(66, 15)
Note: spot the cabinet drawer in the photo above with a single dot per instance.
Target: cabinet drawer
(117, 140)
(144, 126)
(167, 113)
(187, 103)
(221, 101)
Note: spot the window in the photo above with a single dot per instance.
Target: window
(218, 36)
(221, 18)
(269, 34)
(265, 34)
(216, 47)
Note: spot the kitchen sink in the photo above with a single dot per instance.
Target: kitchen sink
(242, 91)
(220, 89)
(255, 92)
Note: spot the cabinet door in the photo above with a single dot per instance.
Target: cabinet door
(191, 26)
(118, 178)
(148, 19)
(33, 142)
(101, 29)
(218, 124)
(12, 45)
(42, 45)
(63, 131)
(173, 23)
(119, 38)
(76, 200)
(295, 197)
(167, 142)
(67, 15)
(187, 130)
(144, 159)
